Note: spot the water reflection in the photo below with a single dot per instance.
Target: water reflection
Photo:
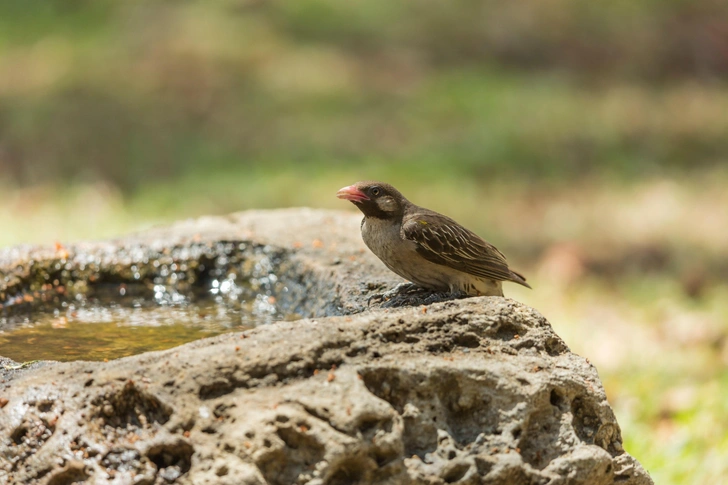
(97, 330)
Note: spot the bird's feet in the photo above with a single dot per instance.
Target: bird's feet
(401, 289)
(408, 294)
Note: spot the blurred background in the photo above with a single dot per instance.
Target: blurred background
(587, 140)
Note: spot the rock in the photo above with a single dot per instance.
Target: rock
(469, 391)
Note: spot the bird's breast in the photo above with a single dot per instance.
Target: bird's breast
(384, 239)
(400, 255)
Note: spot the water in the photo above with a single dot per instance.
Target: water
(112, 330)
(109, 321)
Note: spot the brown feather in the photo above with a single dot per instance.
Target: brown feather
(441, 240)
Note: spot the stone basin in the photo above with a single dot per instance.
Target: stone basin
(419, 390)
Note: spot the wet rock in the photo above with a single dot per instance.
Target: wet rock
(475, 390)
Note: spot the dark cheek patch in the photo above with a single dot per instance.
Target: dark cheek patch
(372, 209)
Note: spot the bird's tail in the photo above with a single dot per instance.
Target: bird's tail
(519, 278)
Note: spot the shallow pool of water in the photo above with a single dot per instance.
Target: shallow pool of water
(110, 332)
(83, 310)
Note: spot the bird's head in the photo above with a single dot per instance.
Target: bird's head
(375, 199)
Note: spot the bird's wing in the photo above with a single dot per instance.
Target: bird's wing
(441, 240)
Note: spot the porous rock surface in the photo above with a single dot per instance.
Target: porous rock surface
(477, 390)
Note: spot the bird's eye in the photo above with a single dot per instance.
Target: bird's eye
(375, 191)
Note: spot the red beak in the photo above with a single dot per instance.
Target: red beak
(352, 193)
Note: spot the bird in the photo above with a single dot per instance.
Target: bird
(426, 248)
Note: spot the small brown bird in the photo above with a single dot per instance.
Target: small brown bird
(427, 248)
